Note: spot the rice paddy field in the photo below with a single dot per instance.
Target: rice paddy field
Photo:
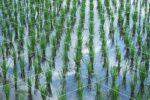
(74, 49)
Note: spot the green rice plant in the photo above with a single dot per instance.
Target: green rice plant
(121, 19)
(61, 95)
(7, 91)
(124, 76)
(48, 75)
(90, 71)
(144, 51)
(4, 70)
(29, 56)
(29, 82)
(148, 35)
(37, 72)
(139, 96)
(133, 52)
(132, 87)
(134, 17)
(114, 92)
(139, 42)
(53, 53)
(128, 12)
(114, 74)
(91, 53)
(99, 6)
(80, 90)
(43, 45)
(15, 70)
(21, 97)
(142, 75)
(118, 56)
(22, 66)
(98, 90)
(43, 90)
(20, 40)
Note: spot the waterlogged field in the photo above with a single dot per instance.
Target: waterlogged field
(74, 49)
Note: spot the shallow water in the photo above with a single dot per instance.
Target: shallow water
(99, 71)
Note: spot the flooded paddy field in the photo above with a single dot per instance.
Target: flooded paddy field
(75, 49)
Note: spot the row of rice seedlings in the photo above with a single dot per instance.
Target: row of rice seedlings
(90, 66)
(62, 92)
(78, 49)
(62, 95)
(55, 42)
(103, 39)
(91, 34)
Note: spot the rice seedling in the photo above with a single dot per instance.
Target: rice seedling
(48, 76)
(43, 45)
(128, 12)
(118, 56)
(43, 90)
(148, 35)
(61, 95)
(4, 70)
(29, 82)
(132, 56)
(22, 66)
(21, 97)
(139, 96)
(139, 42)
(15, 70)
(114, 92)
(124, 76)
(7, 91)
(142, 75)
(132, 87)
(90, 71)
(37, 72)
(114, 74)
(98, 90)
(80, 90)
